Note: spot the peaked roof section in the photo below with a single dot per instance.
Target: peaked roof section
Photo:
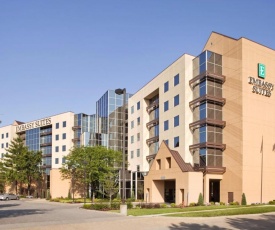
(18, 123)
(185, 167)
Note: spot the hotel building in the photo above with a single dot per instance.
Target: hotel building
(206, 124)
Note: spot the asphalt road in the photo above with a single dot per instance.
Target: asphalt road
(40, 214)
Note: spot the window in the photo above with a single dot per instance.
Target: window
(7, 135)
(166, 106)
(158, 164)
(167, 142)
(176, 100)
(57, 137)
(176, 121)
(132, 154)
(138, 152)
(56, 160)
(166, 125)
(56, 149)
(168, 162)
(138, 105)
(57, 125)
(132, 139)
(138, 168)
(176, 79)
(64, 136)
(166, 86)
(2, 146)
(176, 141)
(63, 160)
(7, 145)
(64, 124)
(132, 124)
(2, 135)
(2, 155)
(63, 148)
(138, 121)
(132, 109)
(138, 137)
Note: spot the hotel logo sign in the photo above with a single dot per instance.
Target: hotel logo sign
(34, 124)
(261, 70)
(260, 86)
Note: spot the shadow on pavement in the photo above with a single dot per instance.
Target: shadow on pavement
(193, 226)
(264, 221)
(20, 212)
(7, 205)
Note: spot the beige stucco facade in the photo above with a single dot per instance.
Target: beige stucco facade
(165, 174)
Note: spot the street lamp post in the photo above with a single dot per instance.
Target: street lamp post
(123, 206)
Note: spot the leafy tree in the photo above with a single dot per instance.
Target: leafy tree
(243, 199)
(200, 200)
(22, 165)
(91, 165)
(110, 185)
(2, 178)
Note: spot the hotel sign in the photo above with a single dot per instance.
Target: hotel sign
(34, 124)
(260, 86)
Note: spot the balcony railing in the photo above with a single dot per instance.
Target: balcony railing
(207, 75)
(152, 140)
(152, 106)
(208, 121)
(76, 127)
(152, 123)
(45, 133)
(210, 169)
(207, 97)
(207, 145)
(76, 139)
(45, 144)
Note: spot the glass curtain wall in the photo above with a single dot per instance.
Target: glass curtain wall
(205, 63)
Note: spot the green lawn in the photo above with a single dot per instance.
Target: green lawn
(153, 211)
(228, 212)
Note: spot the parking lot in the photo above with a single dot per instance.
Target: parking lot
(35, 214)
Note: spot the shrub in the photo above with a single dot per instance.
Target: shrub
(243, 199)
(192, 204)
(234, 203)
(156, 205)
(222, 203)
(100, 206)
(271, 202)
(173, 205)
(87, 206)
(129, 205)
(149, 205)
(163, 205)
(200, 200)
(115, 205)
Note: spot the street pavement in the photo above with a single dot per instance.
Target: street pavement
(35, 214)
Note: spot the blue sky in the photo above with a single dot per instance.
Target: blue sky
(62, 55)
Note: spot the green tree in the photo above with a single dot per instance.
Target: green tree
(21, 165)
(200, 200)
(2, 178)
(91, 165)
(110, 184)
(243, 199)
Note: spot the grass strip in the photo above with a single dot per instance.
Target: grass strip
(227, 212)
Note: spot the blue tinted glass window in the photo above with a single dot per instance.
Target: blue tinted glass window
(202, 88)
(56, 161)
(166, 125)
(202, 58)
(2, 136)
(176, 141)
(57, 137)
(156, 130)
(202, 134)
(57, 125)
(64, 136)
(156, 113)
(202, 157)
(56, 149)
(166, 106)
(63, 160)
(64, 124)
(64, 148)
(176, 100)
(176, 79)
(138, 105)
(203, 111)
(166, 86)
(167, 142)
(176, 121)
(202, 68)
(7, 134)
(132, 109)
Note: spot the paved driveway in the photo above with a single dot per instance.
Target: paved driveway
(40, 214)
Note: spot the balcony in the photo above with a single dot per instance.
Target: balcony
(206, 75)
(151, 157)
(45, 144)
(152, 140)
(152, 106)
(152, 123)
(76, 139)
(207, 145)
(208, 98)
(207, 121)
(210, 169)
(76, 127)
(45, 133)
